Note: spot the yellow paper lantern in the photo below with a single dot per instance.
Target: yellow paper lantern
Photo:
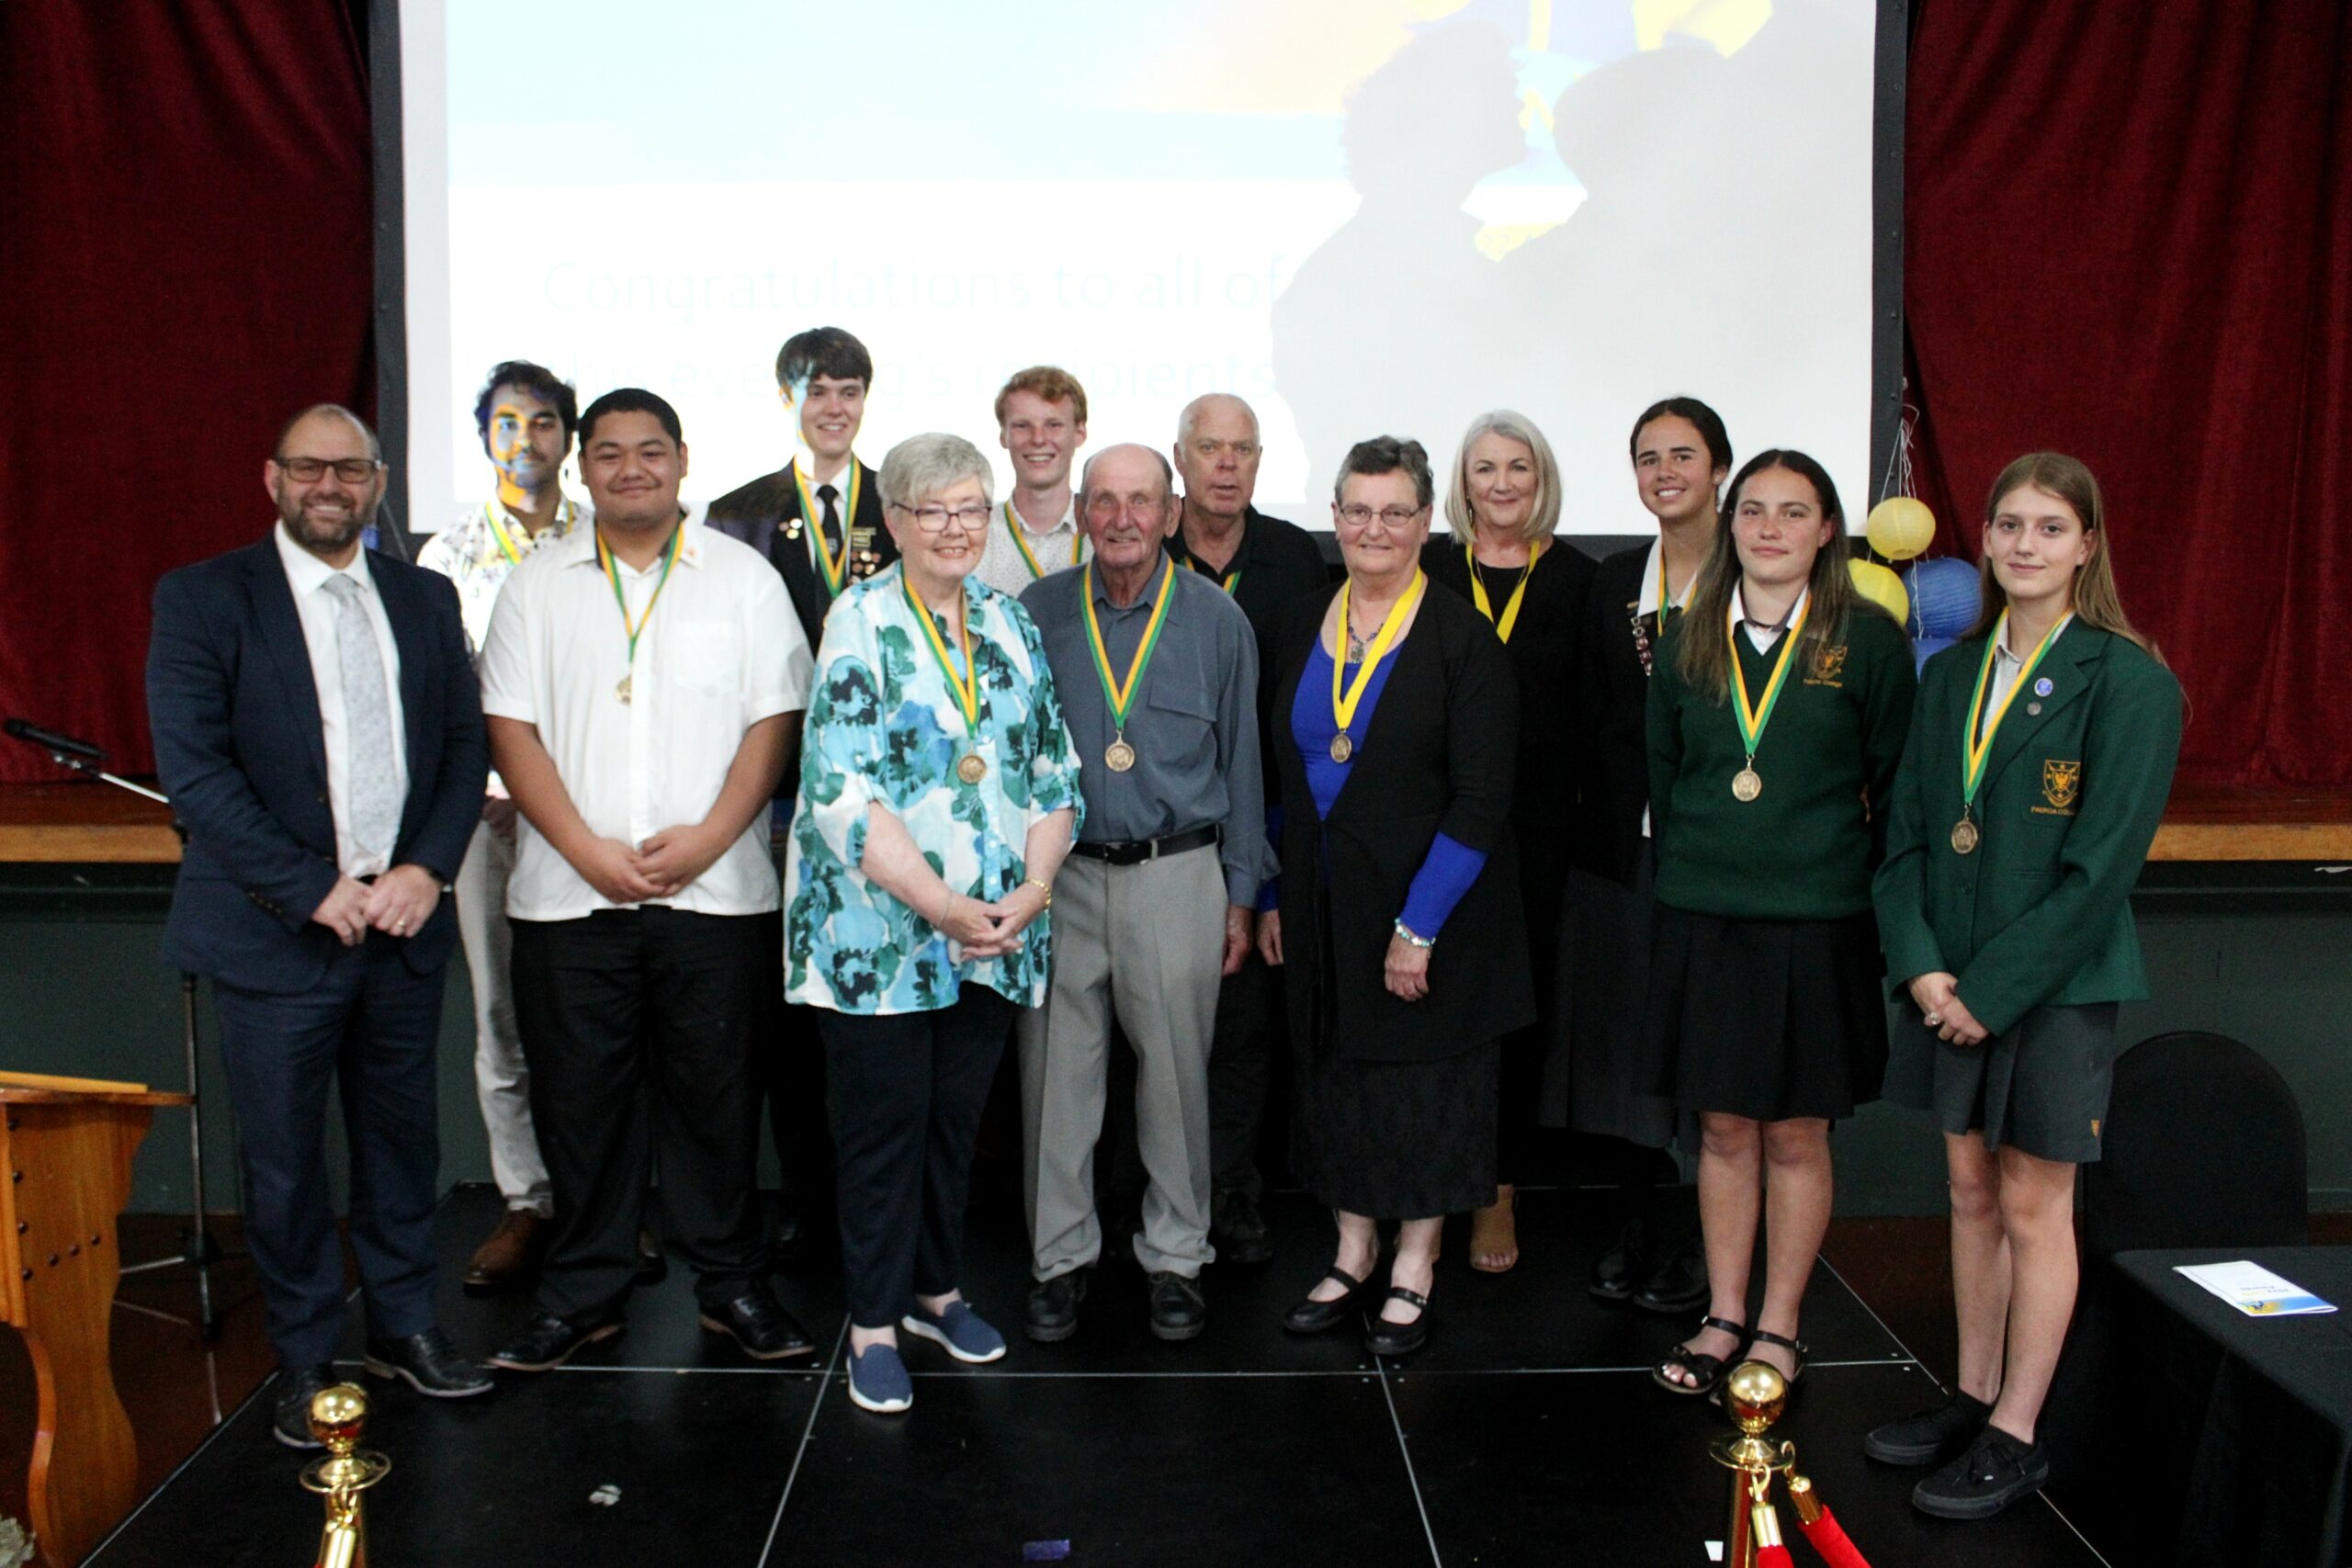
(1900, 527)
(1874, 583)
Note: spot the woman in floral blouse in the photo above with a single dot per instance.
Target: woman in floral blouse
(938, 795)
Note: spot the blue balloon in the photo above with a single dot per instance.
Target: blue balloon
(1945, 599)
(1926, 647)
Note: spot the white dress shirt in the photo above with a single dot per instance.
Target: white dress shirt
(2007, 665)
(722, 651)
(1058, 549)
(1760, 637)
(307, 575)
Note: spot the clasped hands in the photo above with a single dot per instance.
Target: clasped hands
(1943, 1011)
(398, 904)
(985, 929)
(664, 866)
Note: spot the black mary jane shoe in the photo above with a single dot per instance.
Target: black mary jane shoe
(1386, 1338)
(1797, 1351)
(1708, 1371)
(1311, 1316)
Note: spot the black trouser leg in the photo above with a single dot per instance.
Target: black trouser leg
(1241, 1059)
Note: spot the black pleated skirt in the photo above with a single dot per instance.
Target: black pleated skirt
(1767, 1019)
(1600, 1072)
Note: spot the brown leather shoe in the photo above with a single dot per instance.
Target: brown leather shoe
(510, 1254)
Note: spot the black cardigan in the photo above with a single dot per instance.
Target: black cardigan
(1613, 701)
(1436, 757)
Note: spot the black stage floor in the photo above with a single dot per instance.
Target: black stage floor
(1527, 1432)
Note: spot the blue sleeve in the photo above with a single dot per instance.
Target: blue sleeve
(1446, 873)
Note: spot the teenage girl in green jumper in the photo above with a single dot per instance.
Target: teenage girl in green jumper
(2034, 783)
(1777, 715)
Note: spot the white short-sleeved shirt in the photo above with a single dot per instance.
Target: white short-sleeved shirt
(721, 651)
(307, 576)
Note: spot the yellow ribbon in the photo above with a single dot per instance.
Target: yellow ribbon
(835, 570)
(1036, 568)
(1980, 748)
(1345, 697)
(965, 686)
(1511, 611)
(1752, 719)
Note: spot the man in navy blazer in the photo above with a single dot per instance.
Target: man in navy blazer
(318, 729)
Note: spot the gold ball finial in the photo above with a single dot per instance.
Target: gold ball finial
(1755, 1394)
(338, 1415)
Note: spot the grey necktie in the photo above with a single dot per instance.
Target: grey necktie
(368, 714)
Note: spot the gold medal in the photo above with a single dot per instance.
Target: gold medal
(1120, 756)
(628, 683)
(1345, 696)
(1747, 783)
(1965, 837)
(1120, 696)
(1341, 747)
(971, 768)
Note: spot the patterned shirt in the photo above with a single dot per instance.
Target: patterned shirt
(883, 728)
(469, 554)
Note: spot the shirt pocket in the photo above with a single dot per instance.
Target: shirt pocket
(707, 656)
(1183, 723)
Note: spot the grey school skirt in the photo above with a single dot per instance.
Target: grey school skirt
(2042, 1088)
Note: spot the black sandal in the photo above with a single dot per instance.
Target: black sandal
(1386, 1338)
(1311, 1316)
(1796, 1348)
(1708, 1369)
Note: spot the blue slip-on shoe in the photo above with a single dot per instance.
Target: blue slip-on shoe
(878, 1380)
(966, 1335)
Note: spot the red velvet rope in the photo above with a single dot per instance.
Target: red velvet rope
(1774, 1557)
(1829, 1538)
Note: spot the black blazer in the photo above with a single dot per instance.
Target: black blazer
(239, 748)
(766, 515)
(1435, 758)
(1613, 689)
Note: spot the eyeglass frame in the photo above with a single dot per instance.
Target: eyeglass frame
(969, 519)
(369, 469)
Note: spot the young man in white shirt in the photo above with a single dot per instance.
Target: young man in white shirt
(1041, 422)
(648, 678)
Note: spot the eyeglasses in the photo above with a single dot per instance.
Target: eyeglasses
(1358, 514)
(308, 471)
(935, 519)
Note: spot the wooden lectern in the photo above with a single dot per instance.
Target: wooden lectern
(66, 1148)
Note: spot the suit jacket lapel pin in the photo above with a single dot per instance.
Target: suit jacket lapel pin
(2043, 687)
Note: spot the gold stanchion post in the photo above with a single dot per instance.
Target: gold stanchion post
(1755, 1395)
(338, 1416)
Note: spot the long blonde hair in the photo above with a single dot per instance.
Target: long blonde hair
(1703, 656)
(2095, 601)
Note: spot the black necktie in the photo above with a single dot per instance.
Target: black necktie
(831, 522)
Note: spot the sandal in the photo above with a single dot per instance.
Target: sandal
(1495, 1229)
(1709, 1371)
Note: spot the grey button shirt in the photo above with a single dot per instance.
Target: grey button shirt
(1194, 723)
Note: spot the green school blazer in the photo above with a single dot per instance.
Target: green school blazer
(2040, 913)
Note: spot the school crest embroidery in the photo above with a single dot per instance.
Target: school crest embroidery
(2062, 784)
(1828, 663)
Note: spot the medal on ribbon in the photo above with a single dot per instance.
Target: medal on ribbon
(971, 767)
(1120, 694)
(1346, 695)
(1511, 611)
(637, 628)
(1748, 784)
(1028, 556)
(832, 569)
(1976, 750)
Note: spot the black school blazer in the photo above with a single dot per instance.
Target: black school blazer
(1436, 757)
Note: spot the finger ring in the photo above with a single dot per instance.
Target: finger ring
(1931, 1020)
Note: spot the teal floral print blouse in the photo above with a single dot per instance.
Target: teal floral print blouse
(883, 728)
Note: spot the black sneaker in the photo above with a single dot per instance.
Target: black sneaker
(1676, 1279)
(1053, 1307)
(1935, 1435)
(757, 1321)
(1238, 1230)
(289, 1404)
(1996, 1471)
(428, 1363)
(548, 1341)
(1179, 1311)
(1617, 1273)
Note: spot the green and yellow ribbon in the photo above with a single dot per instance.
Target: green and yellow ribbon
(1752, 719)
(1345, 697)
(491, 510)
(1977, 751)
(835, 571)
(1229, 582)
(612, 576)
(1037, 568)
(1478, 587)
(1121, 695)
(965, 686)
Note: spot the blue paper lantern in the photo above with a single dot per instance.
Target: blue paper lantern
(1944, 598)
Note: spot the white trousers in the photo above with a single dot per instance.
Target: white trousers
(501, 1081)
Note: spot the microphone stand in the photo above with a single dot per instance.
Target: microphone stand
(198, 1251)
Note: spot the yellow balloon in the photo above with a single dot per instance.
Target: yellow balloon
(1900, 527)
(1874, 583)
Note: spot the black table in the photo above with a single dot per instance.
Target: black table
(2236, 1431)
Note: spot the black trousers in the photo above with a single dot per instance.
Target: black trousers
(1242, 1066)
(370, 1026)
(906, 1093)
(640, 1027)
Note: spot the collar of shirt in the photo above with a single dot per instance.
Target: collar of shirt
(839, 481)
(1648, 604)
(580, 545)
(1240, 544)
(1068, 522)
(1759, 635)
(1143, 601)
(2003, 658)
(568, 513)
(307, 573)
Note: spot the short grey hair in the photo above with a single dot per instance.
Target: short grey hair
(1086, 474)
(1387, 455)
(1545, 516)
(1188, 421)
(922, 466)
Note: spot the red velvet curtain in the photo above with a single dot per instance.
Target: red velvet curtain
(186, 257)
(2130, 238)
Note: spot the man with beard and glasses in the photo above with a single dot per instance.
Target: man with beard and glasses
(316, 725)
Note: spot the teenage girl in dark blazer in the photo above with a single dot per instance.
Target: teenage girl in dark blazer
(2033, 784)
(1777, 715)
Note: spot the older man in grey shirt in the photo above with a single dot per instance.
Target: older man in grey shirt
(1158, 671)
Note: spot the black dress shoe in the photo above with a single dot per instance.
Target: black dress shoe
(428, 1363)
(1386, 1338)
(1179, 1311)
(789, 1248)
(548, 1341)
(1996, 1471)
(289, 1404)
(1238, 1230)
(1311, 1316)
(1053, 1307)
(1935, 1435)
(1617, 1273)
(757, 1322)
(1676, 1281)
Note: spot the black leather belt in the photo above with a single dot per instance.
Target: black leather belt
(1135, 851)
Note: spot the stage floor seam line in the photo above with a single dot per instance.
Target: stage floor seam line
(1412, 1476)
(816, 1409)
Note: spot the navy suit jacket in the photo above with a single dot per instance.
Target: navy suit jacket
(241, 750)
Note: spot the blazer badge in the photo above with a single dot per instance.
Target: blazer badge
(2062, 784)
(1828, 663)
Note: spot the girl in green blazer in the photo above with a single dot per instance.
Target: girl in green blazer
(2031, 788)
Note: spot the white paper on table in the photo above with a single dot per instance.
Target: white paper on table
(2254, 1291)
